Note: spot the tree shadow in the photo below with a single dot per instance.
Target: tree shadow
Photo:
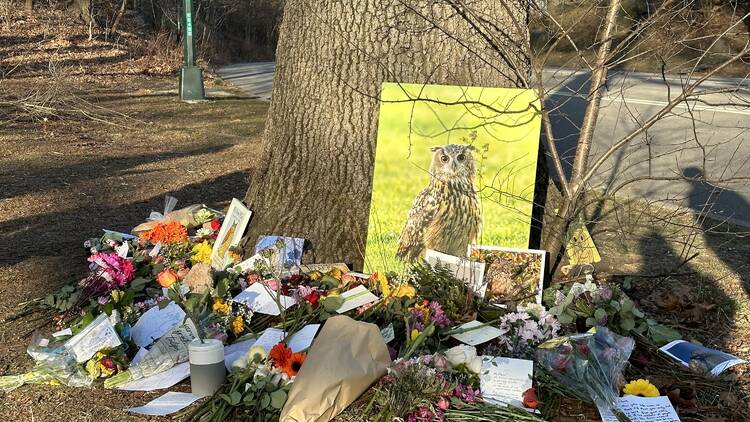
(667, 270)
(62, 232)
(714, 206)
(22, 178)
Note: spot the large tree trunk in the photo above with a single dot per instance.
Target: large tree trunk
(314, 180)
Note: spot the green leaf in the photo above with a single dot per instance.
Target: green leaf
(566, 318)
(265, 400)
(627, 283)
(590, 322)
(627, 324)
(236, 397)
(139, 283)
(332, 303)
(278, 398)
(600, 314)
(627, 305)
(637, 313)
(226, 398)
(661, 334)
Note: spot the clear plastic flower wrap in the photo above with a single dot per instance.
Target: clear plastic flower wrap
(54, 365)
(590, 365)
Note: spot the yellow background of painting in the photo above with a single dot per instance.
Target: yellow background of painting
(415, 117)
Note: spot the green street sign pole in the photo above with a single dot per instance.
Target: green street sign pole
(191, 79)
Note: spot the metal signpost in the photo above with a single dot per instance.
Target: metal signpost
(191, 79)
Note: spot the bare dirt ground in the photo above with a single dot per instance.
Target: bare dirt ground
(62, 182)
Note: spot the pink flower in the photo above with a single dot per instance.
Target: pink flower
(443, 404)
(272, 284)
(116, 270)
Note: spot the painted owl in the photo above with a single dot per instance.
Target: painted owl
(445, 216)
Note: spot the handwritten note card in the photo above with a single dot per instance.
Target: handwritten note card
(156, 322)
(263, 300)
(643, 409)
(504, 380)
(355, 298)
(477, 333)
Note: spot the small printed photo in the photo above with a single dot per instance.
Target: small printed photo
(699, 358)
(286, 251)
(230, 233)
(511, 275)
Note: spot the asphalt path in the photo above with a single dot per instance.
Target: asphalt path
(664, 165)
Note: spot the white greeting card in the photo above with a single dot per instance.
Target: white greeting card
(504, 380)
(477, 333)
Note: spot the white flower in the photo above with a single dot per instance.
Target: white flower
(239, 363)
(261, 372)
(533, 309)
(461, 354)
(475, 365)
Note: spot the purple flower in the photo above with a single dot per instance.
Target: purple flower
(102, 300)
(466, 393)
(438, 316)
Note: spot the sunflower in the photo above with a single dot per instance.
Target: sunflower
(294, 363)
(641, 387)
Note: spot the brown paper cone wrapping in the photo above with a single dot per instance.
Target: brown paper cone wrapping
(345, 360)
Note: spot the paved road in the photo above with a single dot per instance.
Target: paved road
(669, 149)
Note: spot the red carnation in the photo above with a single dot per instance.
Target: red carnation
(215, 225)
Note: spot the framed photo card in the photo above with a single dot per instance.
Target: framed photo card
(230, 233)
(511, 274)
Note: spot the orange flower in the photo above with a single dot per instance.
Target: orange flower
(166, 278)
(280, 354)
(294, 363)
(166, 233)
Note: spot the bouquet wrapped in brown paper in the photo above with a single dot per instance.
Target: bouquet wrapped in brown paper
(346, 359)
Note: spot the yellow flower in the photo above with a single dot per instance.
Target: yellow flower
(315, 275)
(385, 289)
(336, 273)
(414, 334)
(641, 387)
(201, 253)
(405, 290)
(220, 307)
(256, 352)
(238, 325)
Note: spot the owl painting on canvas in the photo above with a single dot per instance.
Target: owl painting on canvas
(445, 216)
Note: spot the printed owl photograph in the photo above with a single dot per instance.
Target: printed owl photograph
(512, 276)
(454, 166)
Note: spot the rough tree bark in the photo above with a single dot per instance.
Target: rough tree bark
(314, 177)
(80, 9)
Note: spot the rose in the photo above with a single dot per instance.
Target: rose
(272, 284)
(464, 355)
(313, 298)
(167, 277)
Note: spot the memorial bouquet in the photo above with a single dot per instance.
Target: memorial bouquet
(589, 364)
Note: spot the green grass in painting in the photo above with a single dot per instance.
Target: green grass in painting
(505, 134)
